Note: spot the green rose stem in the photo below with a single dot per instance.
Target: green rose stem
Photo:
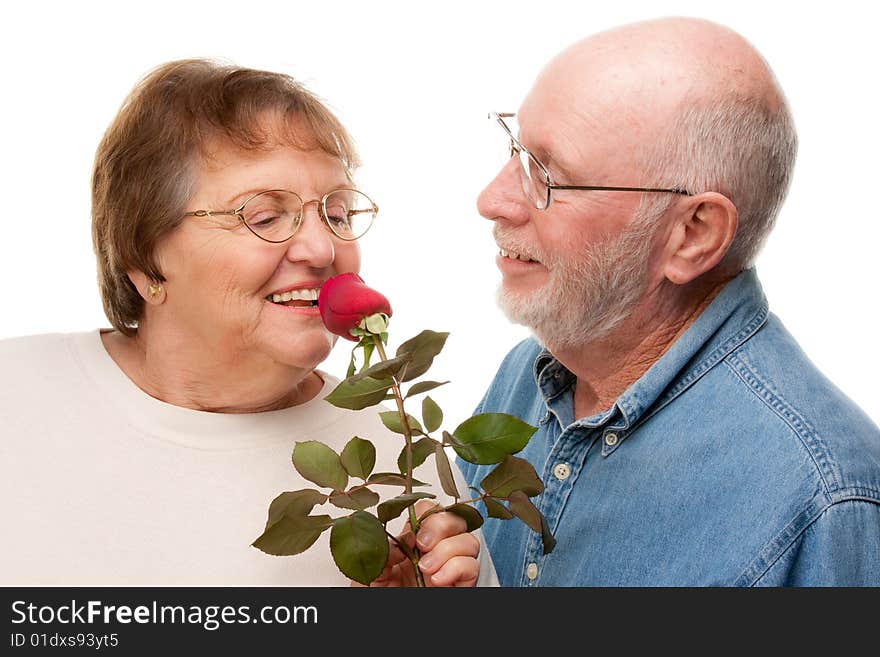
(414, 554)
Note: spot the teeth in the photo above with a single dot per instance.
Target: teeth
(305, 294)
(513, 256)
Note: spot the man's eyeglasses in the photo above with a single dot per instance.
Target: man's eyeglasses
(276, 214)
(536, 181)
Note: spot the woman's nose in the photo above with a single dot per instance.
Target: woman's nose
(313, 242)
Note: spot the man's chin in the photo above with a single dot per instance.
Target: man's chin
(517, 308)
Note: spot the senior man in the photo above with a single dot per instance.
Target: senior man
(683, 436)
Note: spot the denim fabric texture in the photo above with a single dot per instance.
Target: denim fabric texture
(731, 462)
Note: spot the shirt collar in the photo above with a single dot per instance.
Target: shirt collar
(731, 318)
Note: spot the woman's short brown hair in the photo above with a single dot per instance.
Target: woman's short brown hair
(143, 174)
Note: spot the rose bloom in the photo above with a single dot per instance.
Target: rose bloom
(345, 300)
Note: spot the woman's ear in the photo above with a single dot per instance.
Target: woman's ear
(153, 292)
(701, 234)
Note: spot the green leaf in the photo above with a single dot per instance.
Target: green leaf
(432, 414)
(382, 369)
(423, 348)
(292, 535)
(358, 457)
(357, 499)
(392, 479)
(471, 516)
(489, 437)
(391, 419)
(392, 508)
(368, 352)
(444, 471)
(523, 508)
(361, 394)
(512, 474)
(296, 504)
(423, 386)
(351, 366)
(359, 546)
(422, 449)
(319, 464)
(496, 509)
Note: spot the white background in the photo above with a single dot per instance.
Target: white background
(413, 82)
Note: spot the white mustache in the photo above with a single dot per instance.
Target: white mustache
(505, 240)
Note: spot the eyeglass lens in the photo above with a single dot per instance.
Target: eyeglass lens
(532, 175)
(276, 215)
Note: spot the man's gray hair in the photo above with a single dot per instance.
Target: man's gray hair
(741, 147)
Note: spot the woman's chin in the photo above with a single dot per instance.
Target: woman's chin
(305, 351)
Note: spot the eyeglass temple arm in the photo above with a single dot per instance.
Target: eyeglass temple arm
(211, 213)
(620, 189)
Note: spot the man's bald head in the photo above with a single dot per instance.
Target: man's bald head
(669, 58)
(688, 103)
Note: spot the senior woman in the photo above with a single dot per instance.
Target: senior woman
(148, 453)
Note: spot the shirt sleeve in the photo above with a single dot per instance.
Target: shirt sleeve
(840, 548)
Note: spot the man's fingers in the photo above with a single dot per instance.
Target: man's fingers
(462, 545)
(437, 527)
(399, 575)
(458, 571)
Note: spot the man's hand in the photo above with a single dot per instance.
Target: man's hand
(449, 553)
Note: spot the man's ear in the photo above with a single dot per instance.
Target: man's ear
(701, 234)
(151, 291)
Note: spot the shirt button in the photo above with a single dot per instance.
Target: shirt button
(561, 471)
(532, 571)
(611, 439)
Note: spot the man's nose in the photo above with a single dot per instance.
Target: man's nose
(503, 198)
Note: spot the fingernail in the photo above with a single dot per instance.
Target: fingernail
(425, 539)
(426, 562)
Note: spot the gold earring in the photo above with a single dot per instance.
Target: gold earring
(155, 290)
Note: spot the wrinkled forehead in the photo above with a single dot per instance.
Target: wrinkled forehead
(575, 115)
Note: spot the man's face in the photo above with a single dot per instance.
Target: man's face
(573, 272)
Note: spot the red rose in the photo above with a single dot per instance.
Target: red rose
(344, 301)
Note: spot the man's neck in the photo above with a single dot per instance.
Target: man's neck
(607, 367)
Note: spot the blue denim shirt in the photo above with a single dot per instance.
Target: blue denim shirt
(731, 462)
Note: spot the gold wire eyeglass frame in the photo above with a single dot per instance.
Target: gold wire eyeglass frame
(525, 157)
(297, 222)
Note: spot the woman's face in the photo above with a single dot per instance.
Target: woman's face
(220, 277)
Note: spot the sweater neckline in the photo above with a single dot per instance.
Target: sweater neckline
(192, 428)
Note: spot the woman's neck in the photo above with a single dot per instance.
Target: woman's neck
(203, 380)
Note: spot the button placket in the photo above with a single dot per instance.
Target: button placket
(532, 571)
(562, 471)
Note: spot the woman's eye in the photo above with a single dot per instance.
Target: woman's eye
(264, 220)
(339, 218)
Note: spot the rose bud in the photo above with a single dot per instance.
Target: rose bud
(344, 301)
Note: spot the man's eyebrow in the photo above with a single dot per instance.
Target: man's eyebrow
(559, 171)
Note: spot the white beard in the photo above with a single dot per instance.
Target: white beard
(585, 298)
